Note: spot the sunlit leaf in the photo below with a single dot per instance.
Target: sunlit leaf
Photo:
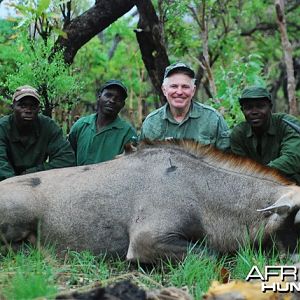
(42, 6)
(60, 32)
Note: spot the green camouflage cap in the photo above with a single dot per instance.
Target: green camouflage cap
(255, 92)
(25, 91)
(113, 82)
(178, 66)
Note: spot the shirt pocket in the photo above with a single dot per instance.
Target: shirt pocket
(204, 139)
(225, 134)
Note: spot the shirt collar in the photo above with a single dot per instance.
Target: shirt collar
(192, 113)
(117, 123)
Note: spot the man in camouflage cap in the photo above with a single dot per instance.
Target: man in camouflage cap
(29, 141)
(272, 139)
(182, 117)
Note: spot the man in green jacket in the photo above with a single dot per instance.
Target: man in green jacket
(272, 139)
(103, 135)
(31, 142)
(182, 117)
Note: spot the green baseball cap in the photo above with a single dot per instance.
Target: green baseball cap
(255, 92)
(25, 91)
(179, 66)
(113, 82)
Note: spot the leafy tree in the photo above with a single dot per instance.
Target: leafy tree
(56, 82)
(33, 62)
(237, 31)
(230, 81)
(81, 29)
(7, 61)
(113, 54)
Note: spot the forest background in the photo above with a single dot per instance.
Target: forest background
(67, 49)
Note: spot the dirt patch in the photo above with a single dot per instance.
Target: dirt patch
(123, 290)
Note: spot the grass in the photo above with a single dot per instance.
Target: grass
(30, 273)
(26, 275)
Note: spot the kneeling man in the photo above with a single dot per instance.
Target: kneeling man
(272, 139)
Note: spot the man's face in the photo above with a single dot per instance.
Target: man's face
(111, 101)
(257, 112)
(179, 90)
(26, 110)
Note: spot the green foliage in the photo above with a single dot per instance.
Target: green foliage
(44, 14)
(42, 6)
(6, 28)
(181, 32)
(250, 255)
(32, 273)
(238, 38)
(240, 52)
(31, 60)
(57, 84)
(25, 285)
(7, 59)
(230, 82)
(196, 272)
(84, 267)
(97, 63)
(29, 275)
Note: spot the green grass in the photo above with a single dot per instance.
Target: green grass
(30, 273)
(196, 272)
(26, 275)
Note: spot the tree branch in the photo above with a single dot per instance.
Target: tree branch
(288, 57)
(112, 50)
(149, 37)
(81, 29)
(260, 27)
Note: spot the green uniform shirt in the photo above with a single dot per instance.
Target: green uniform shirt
(93, 147)
(280, 145)
(202, 124)
(45, 149)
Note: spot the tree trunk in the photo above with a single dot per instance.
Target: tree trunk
(149, 37)
(206, 60)
(201, 17)
(48, 106)
(84, 27)
(288, 57)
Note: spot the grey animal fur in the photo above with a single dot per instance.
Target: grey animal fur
(149, 204)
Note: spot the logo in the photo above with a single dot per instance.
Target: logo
(280, 279)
